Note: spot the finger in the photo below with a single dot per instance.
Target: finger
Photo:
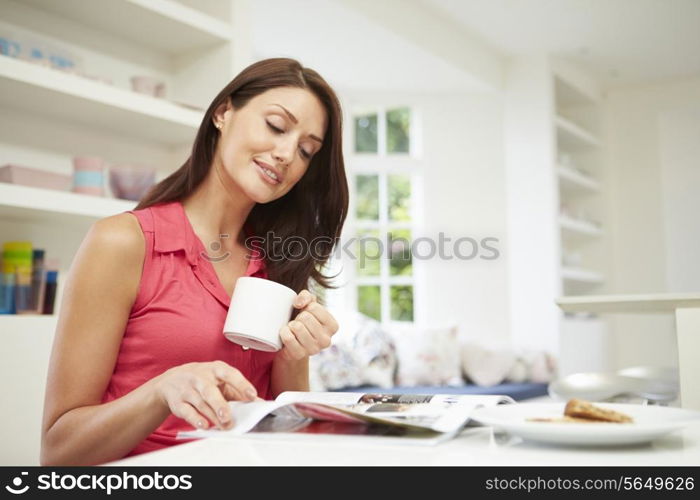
(303, 299)
(314, 326)
(323, 316)
(227, 373)
(304, 337)
(187, 412)
(292, 347)
(216, 402)
(195, 400)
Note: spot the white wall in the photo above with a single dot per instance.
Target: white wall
(650, 224)
(532, 205)
(464, 196)
(464, 192)
(680, 176)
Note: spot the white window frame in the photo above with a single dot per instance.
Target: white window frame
(382, 164)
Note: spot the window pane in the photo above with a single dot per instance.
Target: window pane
(366, 134)
(400, 259)
(368, 301)
(402, 303)
(368, 252)
(398, 123)
(399, 197)
(367, 200)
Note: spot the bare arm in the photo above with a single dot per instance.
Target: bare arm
(308, 334)
(289, 375)
(99, 293)
(77, 428)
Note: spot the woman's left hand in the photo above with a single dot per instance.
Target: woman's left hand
(310, 332)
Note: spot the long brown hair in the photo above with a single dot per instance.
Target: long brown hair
(314, 209)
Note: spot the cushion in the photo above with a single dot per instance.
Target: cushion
(362, 353)
(486, 366)
(427, 356)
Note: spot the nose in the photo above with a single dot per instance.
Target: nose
(284, 152)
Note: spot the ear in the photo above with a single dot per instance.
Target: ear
(220, 113)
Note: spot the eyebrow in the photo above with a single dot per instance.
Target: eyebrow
(294, 119)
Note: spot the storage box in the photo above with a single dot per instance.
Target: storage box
(34, 177)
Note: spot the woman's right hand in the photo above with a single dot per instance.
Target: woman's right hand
(198, 392)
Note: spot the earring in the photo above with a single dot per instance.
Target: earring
(218, 125)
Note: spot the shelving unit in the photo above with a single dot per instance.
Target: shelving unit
(165, 25)
(73, 99)
(50, 116)
(578, 227)
(571, 180)
(36, 204)
(577, 126)
(584, 246)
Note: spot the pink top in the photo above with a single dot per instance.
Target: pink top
(178, 317)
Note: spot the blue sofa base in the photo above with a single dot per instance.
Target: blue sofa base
(518, 392)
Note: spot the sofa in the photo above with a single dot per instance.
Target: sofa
(412, 359)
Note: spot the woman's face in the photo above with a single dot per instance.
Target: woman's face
(266, 146)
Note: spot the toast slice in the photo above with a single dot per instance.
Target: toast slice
(578, 408)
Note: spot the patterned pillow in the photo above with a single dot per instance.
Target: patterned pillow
(362, 353)
(334, 368)
(427, 356)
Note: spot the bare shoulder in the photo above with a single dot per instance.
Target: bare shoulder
(112, 252)
(119, 235)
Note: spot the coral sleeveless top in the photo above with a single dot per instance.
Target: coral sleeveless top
(178, 317)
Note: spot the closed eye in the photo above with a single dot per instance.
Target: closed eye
(278, 130)
(275, 129)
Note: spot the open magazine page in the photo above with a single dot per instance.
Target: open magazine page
(354, 413)
(438, 413)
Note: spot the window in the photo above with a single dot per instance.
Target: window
(384, 174)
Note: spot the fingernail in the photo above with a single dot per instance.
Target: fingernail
(222, 415)
(250, 393)
(200, 424)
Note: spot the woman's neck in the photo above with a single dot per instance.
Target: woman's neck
(218, 207)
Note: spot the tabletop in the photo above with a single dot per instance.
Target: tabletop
(474, 446)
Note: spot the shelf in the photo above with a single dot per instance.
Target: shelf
(572, 137)
(642, 303)
(579, 227)
(20, 323)
(581, 275)
(165, 25)
(567, 94)
(572, 180)
(35, 203)
(29, 87)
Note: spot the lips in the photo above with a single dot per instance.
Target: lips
(264, 166)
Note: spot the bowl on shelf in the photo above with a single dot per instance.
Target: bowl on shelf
(130, 182)
(148, 85)
(88, 175)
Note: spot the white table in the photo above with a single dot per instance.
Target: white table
(686, 307)
(475, 446)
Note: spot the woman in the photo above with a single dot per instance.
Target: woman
(139, 352)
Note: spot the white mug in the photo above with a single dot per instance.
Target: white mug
(259, 309)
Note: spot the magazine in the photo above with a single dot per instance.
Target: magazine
(423, 418)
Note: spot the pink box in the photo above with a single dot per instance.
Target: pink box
(34, 177)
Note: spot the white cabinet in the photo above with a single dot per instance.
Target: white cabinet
(51, 115)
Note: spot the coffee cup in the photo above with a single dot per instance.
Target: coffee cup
(259, 309)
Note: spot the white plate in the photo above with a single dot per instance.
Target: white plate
(650, 422)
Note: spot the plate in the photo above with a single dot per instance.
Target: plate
(650, 422)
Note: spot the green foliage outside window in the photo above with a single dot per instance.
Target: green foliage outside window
(402, 303)
(398, 125)
(366, 134)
